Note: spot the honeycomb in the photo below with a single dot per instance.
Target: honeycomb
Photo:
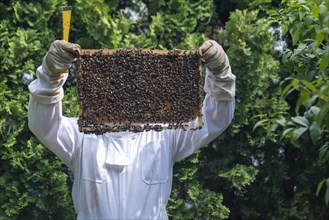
(139, 90)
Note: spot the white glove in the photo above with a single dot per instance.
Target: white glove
(220, 82)
(214, 57)
(47, 89)
(60, 56)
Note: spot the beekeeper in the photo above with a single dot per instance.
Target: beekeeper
(124, 175)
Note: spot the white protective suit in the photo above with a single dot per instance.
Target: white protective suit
(124, 175)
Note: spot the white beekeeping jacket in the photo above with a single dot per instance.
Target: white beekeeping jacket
(124, 175)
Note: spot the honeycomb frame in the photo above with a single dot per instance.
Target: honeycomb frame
(143, 90)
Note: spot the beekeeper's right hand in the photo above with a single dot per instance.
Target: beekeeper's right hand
(47, 88)
(59, 57)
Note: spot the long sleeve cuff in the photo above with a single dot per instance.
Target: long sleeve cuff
(46, 89)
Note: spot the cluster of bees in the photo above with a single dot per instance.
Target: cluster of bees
(138, 90)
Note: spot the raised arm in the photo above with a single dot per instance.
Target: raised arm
(45, 119)
(219, 103)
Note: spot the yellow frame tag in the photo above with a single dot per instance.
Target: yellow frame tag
(66, 15)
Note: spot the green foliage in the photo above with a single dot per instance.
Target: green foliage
(315, 102)
(190, 197)
(307, 22)
(303, 129)
(94, 25)
(31, 178)
(272, 161)
(240, 176)
(253, 61)
(115, 28)
(246, 156)
(285, 174)
(185, 18)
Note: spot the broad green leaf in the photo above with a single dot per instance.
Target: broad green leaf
(319, 38)
(324, 62)
(309, 55)
(313, 112)
(324, 153)
(300, 120)
(259, 123)
(323, 9)
(301, 15)
(295, 83)
(271, 128)
(284, 29)
(286, 55)
(320, 185)
(311, 101)
(325, 20)
(315, 11)
(304, 97)
(299, 131)
(281, 122)
(292, 18)
(315, 132)
(309, 85)
(287, 89)
(295, 33)
(301, 47)
(287, 131)
(324, 112)
(306, 7)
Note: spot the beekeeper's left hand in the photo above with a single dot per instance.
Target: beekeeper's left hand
(59, 57)
(213, 56)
